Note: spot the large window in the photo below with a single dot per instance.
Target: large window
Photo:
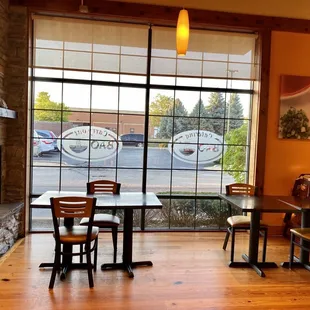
(113, 101)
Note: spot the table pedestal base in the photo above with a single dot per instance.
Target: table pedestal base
(256, 266)
(296, 264)
(126, 266)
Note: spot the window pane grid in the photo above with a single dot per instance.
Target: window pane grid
(96, 81)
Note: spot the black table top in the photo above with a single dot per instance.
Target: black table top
(302, 204)
(125, 200)
(271, 204)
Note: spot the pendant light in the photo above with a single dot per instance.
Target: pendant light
(182, 32)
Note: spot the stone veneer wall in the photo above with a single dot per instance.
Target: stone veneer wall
(16, 87)
(13, 89)
(4, 7)
(11, 217)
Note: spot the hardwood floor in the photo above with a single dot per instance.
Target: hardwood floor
(190, 272)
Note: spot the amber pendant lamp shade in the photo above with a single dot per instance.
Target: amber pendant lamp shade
(182, 33)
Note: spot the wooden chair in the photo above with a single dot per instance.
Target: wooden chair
(103, 220)
(69, 234)
(304, 236)
(241, 222)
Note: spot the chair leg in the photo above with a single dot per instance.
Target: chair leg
(226, 239)
(114, 239)
(81, 255)
(56, 267)
(232, 253)
(265, 245)
(95, 254)
(291, 250)
(89, 267)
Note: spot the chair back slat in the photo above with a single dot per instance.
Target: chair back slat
(240, 189)
(103, 186)
(72, 207)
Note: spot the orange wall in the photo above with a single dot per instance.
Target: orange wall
(285, 159)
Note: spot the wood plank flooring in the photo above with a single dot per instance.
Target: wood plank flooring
(190, 272)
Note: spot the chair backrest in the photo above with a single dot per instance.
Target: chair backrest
(240, 189)
(103, 186)
(73, 207)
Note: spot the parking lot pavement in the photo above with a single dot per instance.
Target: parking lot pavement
(129, 157)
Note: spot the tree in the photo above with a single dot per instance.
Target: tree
(173, 125)
(160, 106)
(200, 110)
(47, 110)
(235, 156)
(216, 110)
(235, 110)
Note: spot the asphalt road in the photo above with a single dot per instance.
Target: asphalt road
(74, 174)
(129, 157)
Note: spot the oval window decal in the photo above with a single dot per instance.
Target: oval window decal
(92, 142)
(196, 145)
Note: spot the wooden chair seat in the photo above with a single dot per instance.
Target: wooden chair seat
(241, 221)
(303, 233)
(103, 221)
(76, 234)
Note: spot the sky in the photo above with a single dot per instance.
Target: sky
(130, 99)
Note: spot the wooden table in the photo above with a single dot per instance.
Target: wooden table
(256, 205)
(301, 205)
(126, 201)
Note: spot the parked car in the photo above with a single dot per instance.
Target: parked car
(36, 144)
(41, 145)
(136, 139)
(48, 134)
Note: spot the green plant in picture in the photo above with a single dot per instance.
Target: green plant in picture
(48, 110)
(235, 156)
(294, 124)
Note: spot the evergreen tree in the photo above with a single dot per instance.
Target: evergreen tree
(216, 110)
(179, 122)
(235, 110)
(200, 110)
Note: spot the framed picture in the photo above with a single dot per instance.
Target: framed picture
(294, 107)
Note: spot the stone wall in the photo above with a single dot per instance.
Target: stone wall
(3, 47)
(13, 89)
(15, 83)
(3, 41)
(11, 225)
